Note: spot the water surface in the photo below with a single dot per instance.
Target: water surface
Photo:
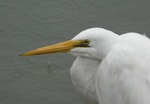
(30, 24)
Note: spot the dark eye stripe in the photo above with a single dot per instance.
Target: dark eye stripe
(84, 45)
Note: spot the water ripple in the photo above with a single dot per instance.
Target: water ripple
(23, 66)
(50, 11)
(11, 3)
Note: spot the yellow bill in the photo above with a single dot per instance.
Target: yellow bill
(59, 47)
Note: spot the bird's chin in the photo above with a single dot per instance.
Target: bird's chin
(79, 52)
(85, 52)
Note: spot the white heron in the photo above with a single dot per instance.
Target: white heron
(109, 68)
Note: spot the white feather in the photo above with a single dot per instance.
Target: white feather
(114, 70)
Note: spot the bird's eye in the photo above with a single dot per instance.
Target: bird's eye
(82, 43)
(86, 41)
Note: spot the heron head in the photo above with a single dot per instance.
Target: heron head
(93, 42)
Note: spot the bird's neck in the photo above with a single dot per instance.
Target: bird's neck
(83, 73)
(106, 45)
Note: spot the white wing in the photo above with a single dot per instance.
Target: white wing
(124, 75)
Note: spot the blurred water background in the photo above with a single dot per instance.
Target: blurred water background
(28, 24)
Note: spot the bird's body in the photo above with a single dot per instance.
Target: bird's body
(126, 78)
(109, 69)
